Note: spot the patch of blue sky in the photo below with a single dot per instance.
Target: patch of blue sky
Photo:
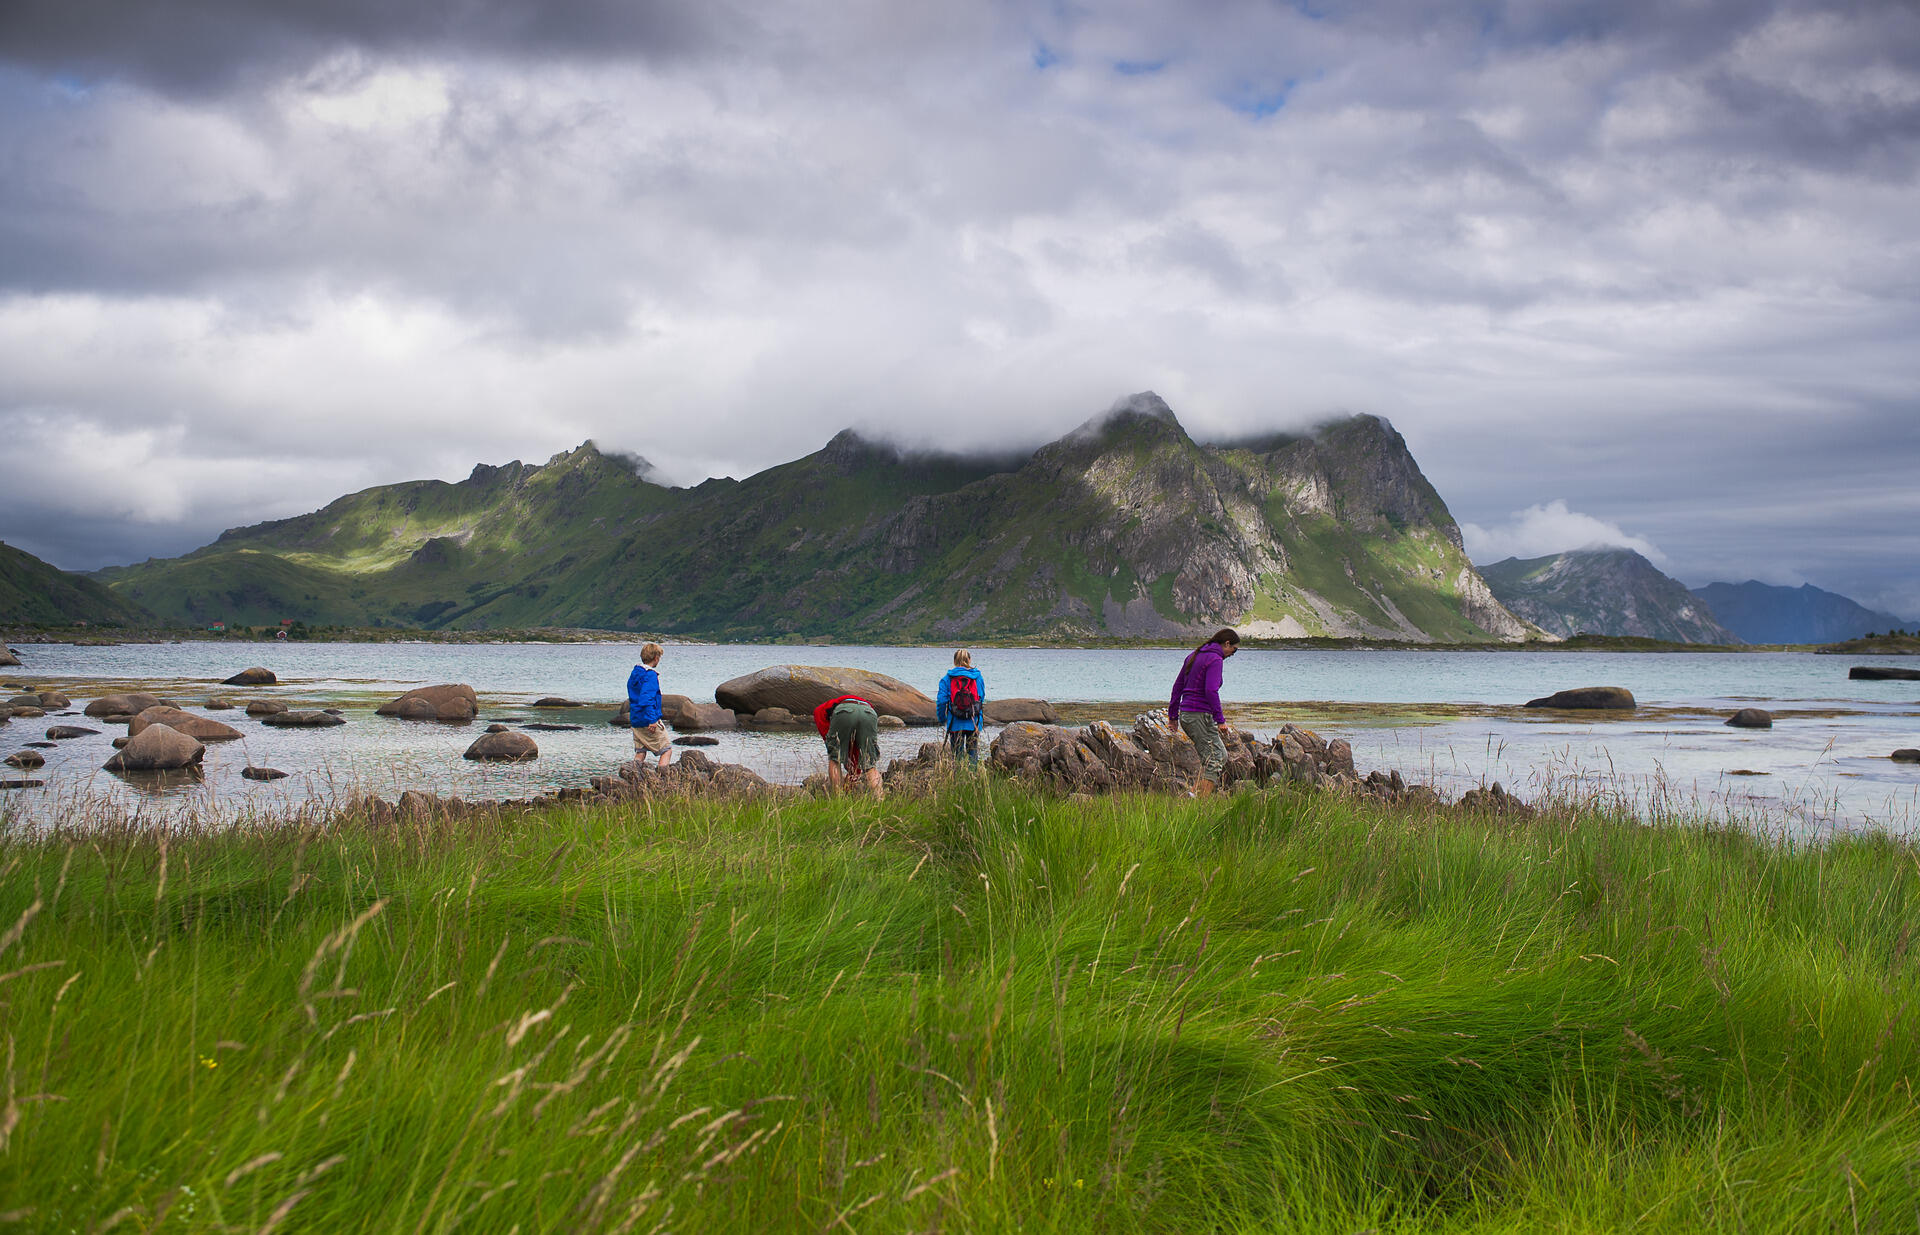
(1138, 68)
(1259, 102)
(1044, 57)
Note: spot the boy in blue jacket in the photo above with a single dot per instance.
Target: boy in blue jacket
(643, 708)
(961, 707)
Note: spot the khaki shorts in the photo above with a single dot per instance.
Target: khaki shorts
(853, 738)
(652, 738)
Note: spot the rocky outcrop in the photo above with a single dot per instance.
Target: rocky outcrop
(801, 688)
(1101, 758)
(203, 728)
(256, 676)
(157, 748)
(301, 720)
(503, 746)
(1878, 673)
(1751, 718)
(127, 705)
(690, 775)
(687, 715)
(1009, 711)
(451, 702)
(1602, 698)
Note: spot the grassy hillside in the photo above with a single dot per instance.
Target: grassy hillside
(1126, 527)
(989, 1011)
(35, 593)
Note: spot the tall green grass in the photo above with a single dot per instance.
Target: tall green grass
(985, 1011)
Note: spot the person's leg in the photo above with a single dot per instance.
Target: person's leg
(1205, 736)
(835, 778)
(866, 740)
(973, 748)
(873, 784)
(955, 741)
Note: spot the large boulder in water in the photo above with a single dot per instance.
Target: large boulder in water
(130, 704)
(204, 728)
(1878, 673)
(1008, 711)
(688, 716)
(255, 676)
(802, 688)
(1594, 698)
(1751, 718)
(157, 748)
(454, 701)
(505, 746)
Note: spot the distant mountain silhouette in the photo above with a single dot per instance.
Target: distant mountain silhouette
(1764, 613)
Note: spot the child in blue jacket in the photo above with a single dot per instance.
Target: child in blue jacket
(965, 717)
(643, 708)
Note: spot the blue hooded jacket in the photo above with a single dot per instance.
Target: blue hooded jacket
(643, 697)
(946, 692)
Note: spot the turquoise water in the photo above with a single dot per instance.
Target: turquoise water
(1446, 718)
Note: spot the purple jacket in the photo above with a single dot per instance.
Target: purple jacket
(1197, 688)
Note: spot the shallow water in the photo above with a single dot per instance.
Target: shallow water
(1450, 719)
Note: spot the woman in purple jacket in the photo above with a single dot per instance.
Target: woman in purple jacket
(1195, 705)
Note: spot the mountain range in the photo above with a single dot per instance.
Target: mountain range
(35, 593)
(1124, 527)
(1766, 613)
(1604, 591)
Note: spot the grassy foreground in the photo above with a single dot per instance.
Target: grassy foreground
(991, 1011)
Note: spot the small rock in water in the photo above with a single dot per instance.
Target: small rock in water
(60, 733)
(53, 700)
(892, 722)
(1602, 698)
(505, 746)
(255, 676)
(696, 740)
(1877, 673)
(554, 701)
(547, 726)
(496, 728)
(1751, 718)
(252, 773)
(1745, 772)
(43, 745)
(217, 705)
(10, 783)
(27, 759)
(265, 707)
(301, 720)
(1906, 754)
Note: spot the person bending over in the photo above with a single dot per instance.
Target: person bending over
(643, 708)
(851, 729)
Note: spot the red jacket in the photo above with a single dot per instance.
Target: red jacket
(823, 714)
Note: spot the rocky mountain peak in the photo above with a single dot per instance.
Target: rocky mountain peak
(848, 450)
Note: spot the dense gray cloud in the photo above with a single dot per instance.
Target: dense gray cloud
(1653, 262)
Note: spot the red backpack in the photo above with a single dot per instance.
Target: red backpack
(963, 697)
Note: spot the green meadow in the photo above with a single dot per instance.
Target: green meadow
(985, 1011)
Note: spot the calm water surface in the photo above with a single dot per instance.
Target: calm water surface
(1446, 718)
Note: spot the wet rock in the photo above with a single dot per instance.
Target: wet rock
(7, 659)
(892, 722)
(555, 701)
(1011, 711)
(686, 715)
(204, 728)
(24, 701)
(776, 718)
(1751, 718)
(496, 728)
(265, 707)
(255, 676)
(503, 746)
(1877, 673)
(452, 701)
(547, 726)
(1906, 754)
(14, 782)
(130, 704)
(53, 700)
(696, 740)
(28, 713)
(27, 759)
(1602, 698)
(253, 773)
(157, 748)
(61, 733)
(301, 720)
(801, 688)
(119, 743)
(217, 705)
(41, 745)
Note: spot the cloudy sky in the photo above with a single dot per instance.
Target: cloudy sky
(1641, 272)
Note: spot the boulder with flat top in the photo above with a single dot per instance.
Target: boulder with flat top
(686, 715)
(452, 702)
(204, 728)
(1008, 711)
(1588, 698)
(130, 704)
(1880, 673)
(801, 688)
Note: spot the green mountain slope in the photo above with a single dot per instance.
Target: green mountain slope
(1124, 527)
(36, 593)
(1604, 592)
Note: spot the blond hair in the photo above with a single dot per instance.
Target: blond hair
(963, 657)
(650, 653)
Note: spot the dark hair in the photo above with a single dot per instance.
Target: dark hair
(1226, 634)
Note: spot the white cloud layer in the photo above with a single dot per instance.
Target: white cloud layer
(1655, 260)
(1540, 531)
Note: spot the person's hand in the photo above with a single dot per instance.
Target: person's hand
(1224, 727)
